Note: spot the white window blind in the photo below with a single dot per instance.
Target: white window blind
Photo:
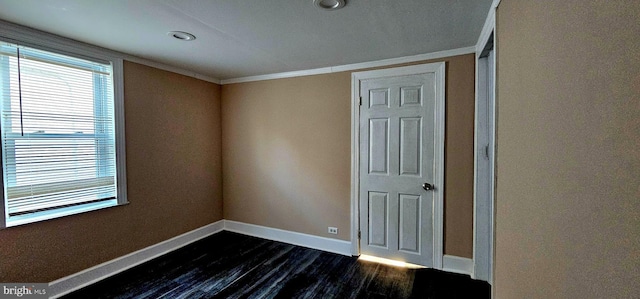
(58, 130)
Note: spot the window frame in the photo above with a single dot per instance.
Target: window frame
(52, 43)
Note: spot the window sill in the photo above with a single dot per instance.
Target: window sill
(57, 213)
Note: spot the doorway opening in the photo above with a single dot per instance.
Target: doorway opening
(484, 160)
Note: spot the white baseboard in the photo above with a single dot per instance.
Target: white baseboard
(94, 274)
(86, 277)
(300, 239)
(457, 264)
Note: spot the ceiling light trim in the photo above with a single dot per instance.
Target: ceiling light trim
(181, 35)
(329, 4)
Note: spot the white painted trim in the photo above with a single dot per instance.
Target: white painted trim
(289, 237)
(32, 36)
(13, 33)
(405, 59)
(121, 148)
(456, 264)
(355, 164)
(89, 276)
(172, 69)
(483, 254)
(76, 281)
(478, 89)
(438, 180)
(292, 74)
(487, 29)
(355, 66)
(495, 4)
(61, 212)
(438, 207)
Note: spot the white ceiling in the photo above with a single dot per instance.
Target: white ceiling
(239, 38)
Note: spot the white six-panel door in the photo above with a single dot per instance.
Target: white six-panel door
(398, 149)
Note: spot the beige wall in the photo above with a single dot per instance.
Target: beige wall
(568, 162)
(286, 153)
(174, 183)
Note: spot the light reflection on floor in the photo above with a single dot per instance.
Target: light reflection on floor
(374, 259)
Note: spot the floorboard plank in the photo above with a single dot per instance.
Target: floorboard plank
(231, 265)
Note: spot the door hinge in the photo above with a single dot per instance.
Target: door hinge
(359, 234)
(360, 101)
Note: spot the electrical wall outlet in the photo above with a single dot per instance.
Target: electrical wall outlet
(333, 230)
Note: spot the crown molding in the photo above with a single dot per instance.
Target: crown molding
(29, 36)
(355, 66)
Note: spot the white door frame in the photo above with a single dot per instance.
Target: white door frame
(438, 213)
(483, 206)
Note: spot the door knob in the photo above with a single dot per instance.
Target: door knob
(427, 186)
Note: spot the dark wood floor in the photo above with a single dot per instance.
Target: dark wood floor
(229, 265)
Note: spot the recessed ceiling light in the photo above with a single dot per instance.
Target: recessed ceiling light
(181, 35)
(329, 4)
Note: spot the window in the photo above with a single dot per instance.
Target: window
(62, 148)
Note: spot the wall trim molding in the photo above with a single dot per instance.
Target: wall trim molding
(484, 192)
(76, 281)
(10, 29)
(487, 28)
(456, 264)
(99, 272)
(355, 66)
(305, 240)
(28, 36)
(169, 68)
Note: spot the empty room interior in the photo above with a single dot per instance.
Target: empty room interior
(320, 149)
